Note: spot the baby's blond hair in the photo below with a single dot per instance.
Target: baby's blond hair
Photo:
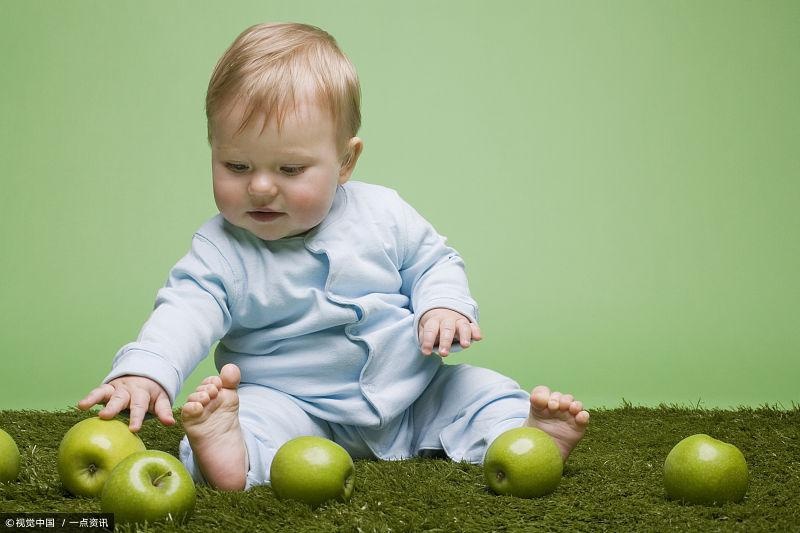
(270, 67)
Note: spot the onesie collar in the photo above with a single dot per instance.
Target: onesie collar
(338, 209)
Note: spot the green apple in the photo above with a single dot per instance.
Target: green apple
(149, 486)
(90, 450)
(312, 470)
(702, 469)
(523, 462)
(9, 458)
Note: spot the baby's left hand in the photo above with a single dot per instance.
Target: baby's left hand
(445, 325)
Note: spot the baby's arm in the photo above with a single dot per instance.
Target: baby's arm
(139, 394)
(441, 326)
(434, 280)
(191, 313)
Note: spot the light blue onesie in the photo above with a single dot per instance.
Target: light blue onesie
(323, 327)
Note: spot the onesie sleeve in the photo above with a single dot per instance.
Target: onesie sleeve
(432, 272)
(191, 313)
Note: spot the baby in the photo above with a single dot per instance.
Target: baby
(333, 301)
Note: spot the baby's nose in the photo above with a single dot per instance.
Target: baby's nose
(262, 185)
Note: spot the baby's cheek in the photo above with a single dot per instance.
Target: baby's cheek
(228, 200)
(312, 206)
(222, 199)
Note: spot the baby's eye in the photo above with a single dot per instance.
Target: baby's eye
(292, 170)
(236, 167)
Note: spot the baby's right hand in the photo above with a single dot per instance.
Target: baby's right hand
(137, 393)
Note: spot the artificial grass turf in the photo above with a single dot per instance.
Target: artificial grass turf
(612, 482)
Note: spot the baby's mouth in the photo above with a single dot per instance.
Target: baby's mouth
(264, 216)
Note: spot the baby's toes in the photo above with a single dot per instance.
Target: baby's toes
(540, 397)
(565, 402)
(554, 402)
(575, 407)
(212, 380)
(582, 418)
(199, 396)
(209, 389)
(191, 409)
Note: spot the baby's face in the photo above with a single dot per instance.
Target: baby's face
(274, 183)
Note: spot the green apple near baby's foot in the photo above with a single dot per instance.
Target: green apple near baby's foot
(523, 462)
(312, 470)
(701, 469)
(149, 486)
(89, 451)
(9, 458)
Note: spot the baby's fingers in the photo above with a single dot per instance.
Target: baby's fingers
(429, 333)
(99, 395)
(139, 404)
(163, 410)
(464, 333)
(447, 331)
(118, 402)
(476, 331)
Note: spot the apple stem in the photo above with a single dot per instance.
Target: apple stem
(159, 478)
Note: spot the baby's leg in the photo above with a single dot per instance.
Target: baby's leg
(559, 415)
(211, 421)
(464, 409)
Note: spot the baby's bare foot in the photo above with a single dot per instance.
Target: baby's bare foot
(211, 421)
(560, 416)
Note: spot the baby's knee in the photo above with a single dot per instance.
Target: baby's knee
(467, 384)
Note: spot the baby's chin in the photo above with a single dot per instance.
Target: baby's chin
(268, 232)
(270, 228)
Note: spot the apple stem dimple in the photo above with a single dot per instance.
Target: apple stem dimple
(159, 478)
(501, 476)
(92, 469)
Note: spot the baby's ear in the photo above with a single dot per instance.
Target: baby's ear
(354, 148)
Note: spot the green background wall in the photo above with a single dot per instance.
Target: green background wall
(622, 179)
